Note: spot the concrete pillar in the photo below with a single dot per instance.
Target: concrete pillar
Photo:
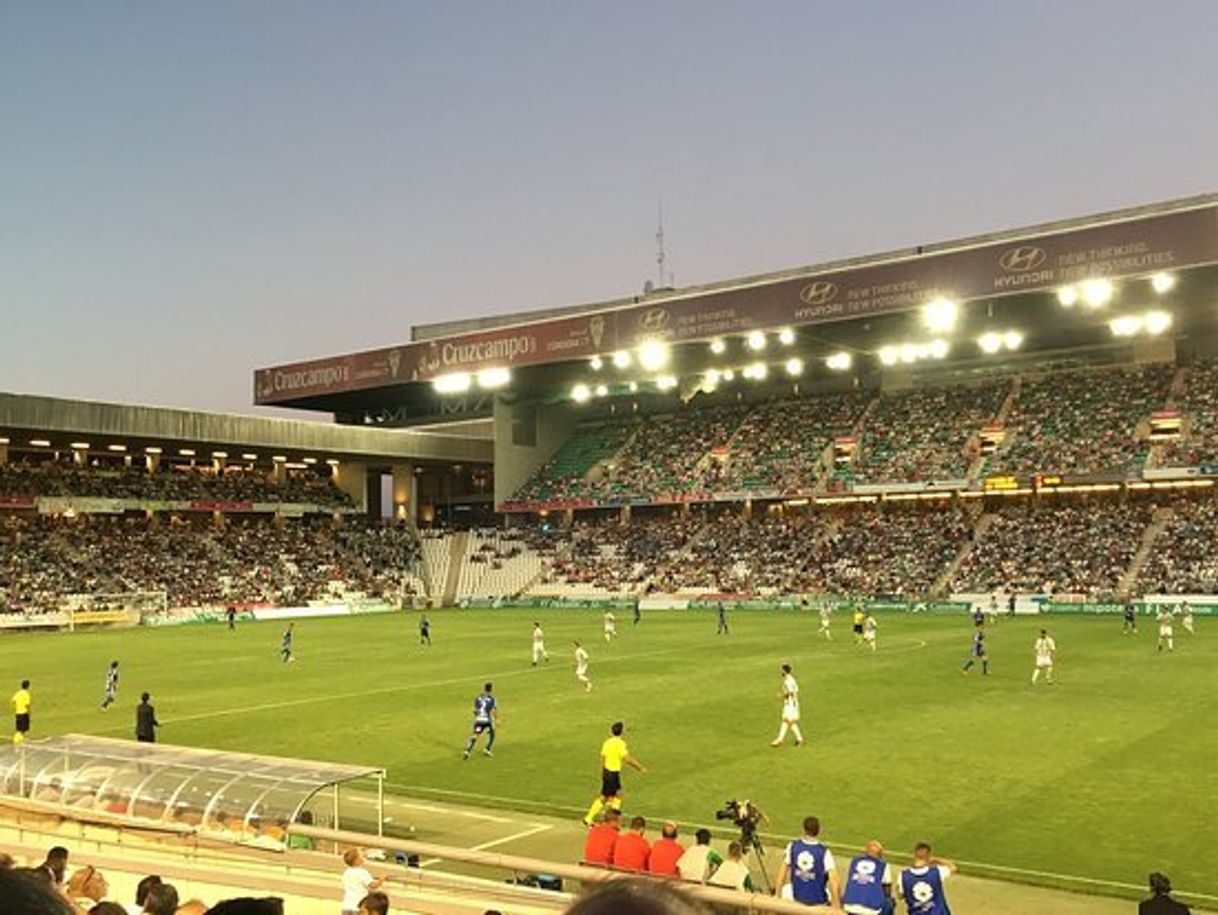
(4, 451)
(624, 515)
(526, 435)
(405, 493)
(152, 463)
(351, 477)
(80, 457)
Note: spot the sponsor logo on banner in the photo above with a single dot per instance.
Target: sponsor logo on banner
(654, 320)
(1022, 259)
(821, 292)
(596, 330)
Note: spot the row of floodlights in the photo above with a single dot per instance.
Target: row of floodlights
(156, 451)
(1096, 293)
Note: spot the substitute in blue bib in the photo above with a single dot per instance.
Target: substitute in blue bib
(810, 869)
(922, 883)
(868, 889)
(486, 716)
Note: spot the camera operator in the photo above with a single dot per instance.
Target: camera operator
(811, 868)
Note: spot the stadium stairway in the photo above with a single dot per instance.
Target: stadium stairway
(1158, 523)
(943, 583)
(458, 546)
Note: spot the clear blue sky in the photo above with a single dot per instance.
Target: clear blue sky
(189, 190)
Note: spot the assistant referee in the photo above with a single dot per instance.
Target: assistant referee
(614, 754)
(21, 712)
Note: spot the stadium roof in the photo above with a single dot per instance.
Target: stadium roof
(24, 418)
(1035, 260)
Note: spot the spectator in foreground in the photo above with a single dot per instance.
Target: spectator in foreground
(199, 907)
(598, 847)
(699, 860)
(141, 893)
(1160, 901)
(922, 882)
(162, 899)
(734, 872)
(868, 889)
(357, 881)
(269, 905)
(87, 887)
(631, 851)
(666, 852)
(24, 893)
(108, 908)
(374, 904)
(56, 864)
(632, 896)
(810, 867)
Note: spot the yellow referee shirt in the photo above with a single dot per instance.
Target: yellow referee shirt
(614, 752)
(21, 702)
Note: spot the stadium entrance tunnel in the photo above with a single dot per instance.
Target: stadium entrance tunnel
(235, 797)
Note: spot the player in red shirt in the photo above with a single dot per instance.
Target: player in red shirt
(632, 850)
(666, 852)
(598, 847)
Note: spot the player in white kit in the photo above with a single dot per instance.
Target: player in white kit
(1165, 619)
(869, 628)
(790, 709)
(539, 645)
(581, 666)
(610, 626)
(1046, 651)
(825, 614)
(1186, 618)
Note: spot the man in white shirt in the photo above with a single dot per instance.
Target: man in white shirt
(1046, 651)
(790, 709)
(1165, 620)
(733, 872)
(581, 666)
(700, 860)
(357, 881)
(539, 645)
(610, 626)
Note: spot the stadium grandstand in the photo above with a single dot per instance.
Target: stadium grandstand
(1024, 420)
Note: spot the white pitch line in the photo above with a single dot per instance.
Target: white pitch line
(483, 846)
(381, 691)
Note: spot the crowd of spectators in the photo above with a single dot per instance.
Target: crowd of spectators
(780, 443)
(196, 563)
(611, 556)
(1183, 560)
(1084, 422)
(174, 483)
(926, 433)
(1199, 404)
(1083, 547)
(561, 478)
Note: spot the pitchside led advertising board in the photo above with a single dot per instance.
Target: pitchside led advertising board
(1134, 246)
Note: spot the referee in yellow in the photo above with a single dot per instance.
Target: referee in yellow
(614, 755)
(21, 712)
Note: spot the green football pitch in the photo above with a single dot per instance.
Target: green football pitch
(1089, 782)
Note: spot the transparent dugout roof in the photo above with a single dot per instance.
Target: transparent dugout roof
(235, 795)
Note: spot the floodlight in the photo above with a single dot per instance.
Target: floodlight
(602, 390)
(729, 375)
(939, 315)
(1162, 282)
(1067, 295)
(1012, 339)
(1097, 293)
(990, 343)
(712, 376)
(839, 362)
(1125, 326)
(717, 346)
(755, 341)
(498, 377)
(909, 352)
(581, 393)
(597, 363)
(654, 355)
(889, 355)
(453, 383)
(666, 382)
(786, 336)
(1155, 322)
(794, 367)
(621, 359)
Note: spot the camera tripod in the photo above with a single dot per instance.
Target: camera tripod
(751, 843)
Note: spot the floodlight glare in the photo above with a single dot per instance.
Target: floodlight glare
(1125, 326)
(938, 349)
(939, 315)
(602, 390)
(712, 376)
(909, 352)
(1162, 282)
(597, 363)
(990, 343)
(632, 386)
(1067, 296)
(839, 362)
(490, 379)
(889, 355)
(666, 382)
(786, 336)
(717, 346)
(654, 355)
(1012, 339)
(1156, 322)
(453, 383)
(755, 341)
(729, 375)
(794, 367)
(1097, 293)
(621, 359)
(581, 393)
